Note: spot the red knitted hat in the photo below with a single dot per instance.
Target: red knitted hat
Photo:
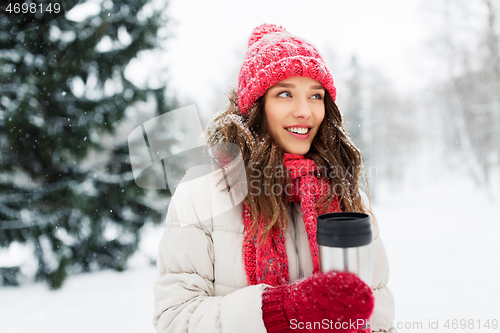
(274, 55)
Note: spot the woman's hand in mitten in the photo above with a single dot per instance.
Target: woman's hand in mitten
(320, 303)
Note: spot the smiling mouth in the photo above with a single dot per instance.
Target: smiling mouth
(298, 130)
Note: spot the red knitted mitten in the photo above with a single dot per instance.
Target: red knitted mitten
(319, 303)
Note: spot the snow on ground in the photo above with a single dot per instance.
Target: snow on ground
(100, 302)
(443, 246)
(104, 301)
(443, 243)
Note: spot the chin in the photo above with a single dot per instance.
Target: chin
(298, 151)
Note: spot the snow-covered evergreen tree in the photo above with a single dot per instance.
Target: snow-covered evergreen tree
(62, 88)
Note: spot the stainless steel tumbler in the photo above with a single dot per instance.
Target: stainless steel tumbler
(345, 244)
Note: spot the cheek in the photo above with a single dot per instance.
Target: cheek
(273, 120)
(319, 115)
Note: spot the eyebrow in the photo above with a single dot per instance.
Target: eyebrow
(289, 85)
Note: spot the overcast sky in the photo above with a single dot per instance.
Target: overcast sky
(208, 40)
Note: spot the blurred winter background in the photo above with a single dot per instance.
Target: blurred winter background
(419, 86)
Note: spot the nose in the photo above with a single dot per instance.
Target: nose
(301, 108)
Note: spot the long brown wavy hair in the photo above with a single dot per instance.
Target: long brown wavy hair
(332, 150)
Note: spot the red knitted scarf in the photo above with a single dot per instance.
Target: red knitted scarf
(268, 263)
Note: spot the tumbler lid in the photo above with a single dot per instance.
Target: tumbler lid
(346, 229)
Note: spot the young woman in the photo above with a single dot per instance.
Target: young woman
(255, 267)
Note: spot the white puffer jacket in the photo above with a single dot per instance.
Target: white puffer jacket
(202, 286)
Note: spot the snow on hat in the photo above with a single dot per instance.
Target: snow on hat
(274, 55)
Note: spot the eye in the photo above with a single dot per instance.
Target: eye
(284, 94)
(317, 96)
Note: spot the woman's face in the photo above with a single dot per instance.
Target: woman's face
(294, 110)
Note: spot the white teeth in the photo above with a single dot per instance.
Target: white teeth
(298, 130)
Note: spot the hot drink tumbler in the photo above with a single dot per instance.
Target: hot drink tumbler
(345, 243)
